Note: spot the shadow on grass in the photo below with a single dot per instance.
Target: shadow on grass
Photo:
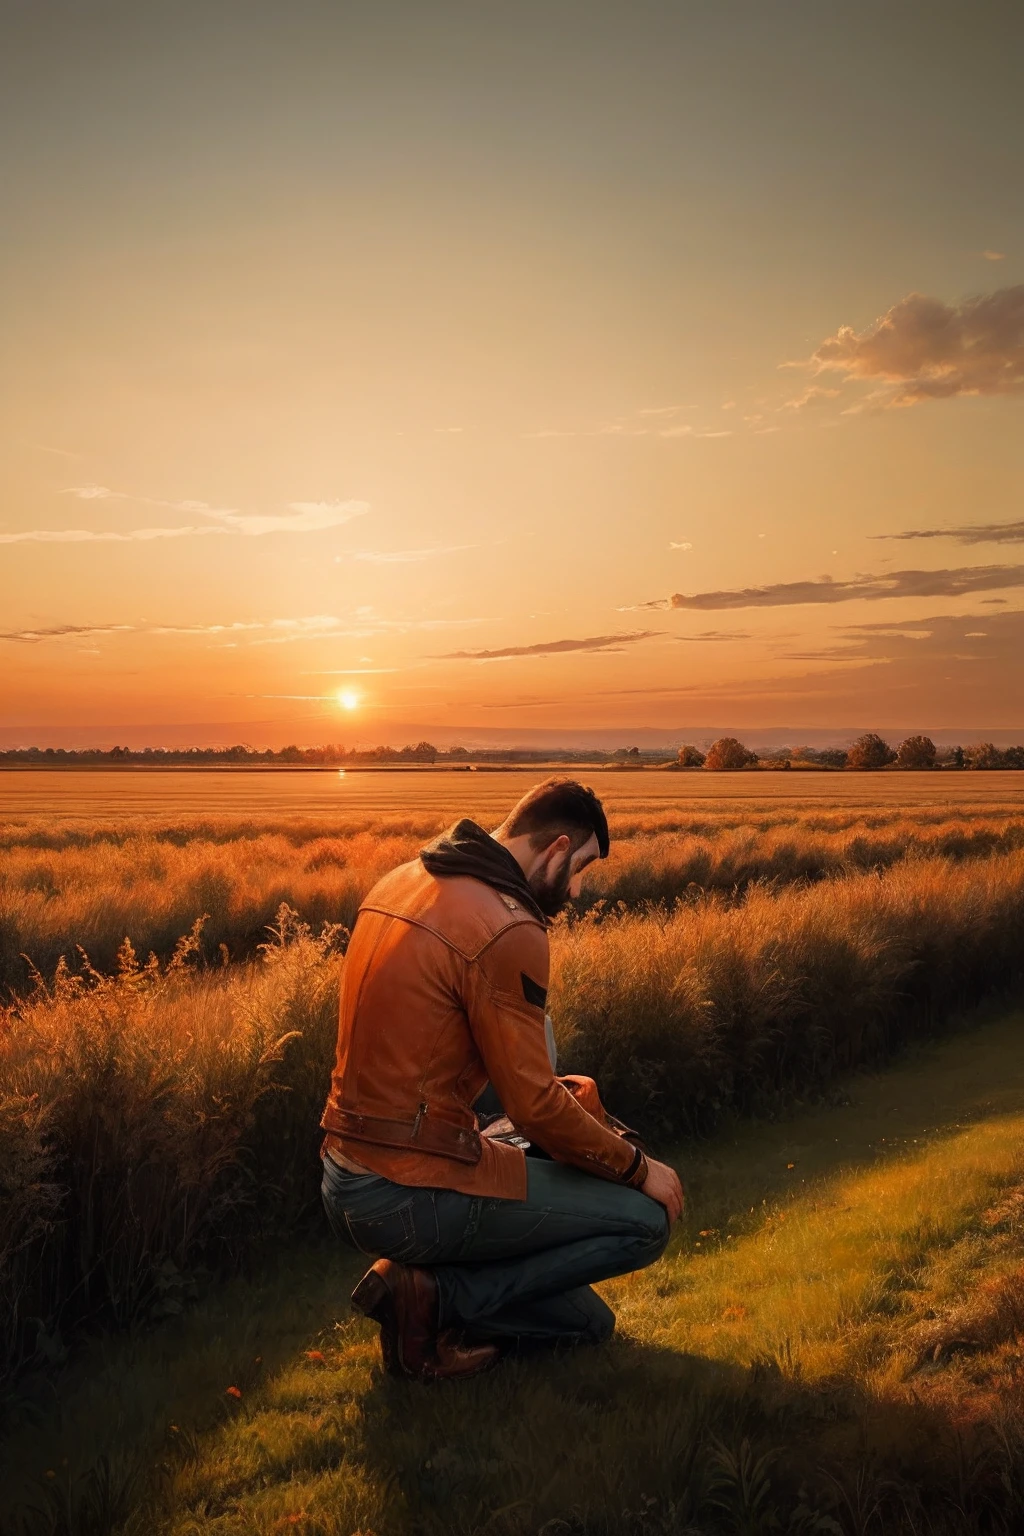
(627, 1439)
(637, 1440)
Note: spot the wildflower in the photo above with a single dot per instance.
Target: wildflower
(234, 1392)
(316, 1356)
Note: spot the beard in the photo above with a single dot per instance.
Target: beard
(552, 893)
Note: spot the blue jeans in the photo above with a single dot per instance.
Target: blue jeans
(518, 1270)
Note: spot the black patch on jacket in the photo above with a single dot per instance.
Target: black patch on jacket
(532, 992)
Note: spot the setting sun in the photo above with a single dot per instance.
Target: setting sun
(348, 698)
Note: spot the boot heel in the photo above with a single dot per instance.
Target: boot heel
(372, 1297)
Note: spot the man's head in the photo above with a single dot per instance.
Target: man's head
(555, 831)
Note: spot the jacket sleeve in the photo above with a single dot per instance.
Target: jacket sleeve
(507, 1022)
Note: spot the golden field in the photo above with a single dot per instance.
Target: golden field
(830, 1345)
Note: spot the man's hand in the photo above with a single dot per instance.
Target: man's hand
(662, 1184)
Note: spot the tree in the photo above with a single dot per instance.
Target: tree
(956, 757)
(916, 752)
(1013, 757)
(728, 754)
(984, 754)
(870, 751)
(690, 757)
(832, 757)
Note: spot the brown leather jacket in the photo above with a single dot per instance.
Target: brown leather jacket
(443, 987)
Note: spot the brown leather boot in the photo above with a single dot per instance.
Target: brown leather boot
(402, 1298)
(454, 1357)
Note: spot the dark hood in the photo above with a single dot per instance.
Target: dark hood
(466, 849)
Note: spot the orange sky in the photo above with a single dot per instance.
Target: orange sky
(524, 367)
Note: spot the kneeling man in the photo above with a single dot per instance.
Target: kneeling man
(480, 1247)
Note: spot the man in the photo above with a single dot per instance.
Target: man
(480, 1248)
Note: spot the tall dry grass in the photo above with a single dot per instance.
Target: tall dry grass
(713, 1006)
(163, 1119)
(92, 887)
(154, 1123)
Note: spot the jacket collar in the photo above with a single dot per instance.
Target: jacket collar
(466, 849)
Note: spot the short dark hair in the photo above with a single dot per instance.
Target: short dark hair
(557, 807)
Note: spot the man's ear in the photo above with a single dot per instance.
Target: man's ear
(554, 850)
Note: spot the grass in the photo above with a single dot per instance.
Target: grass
(68, 888)
(161, 1122)
(829, 1346)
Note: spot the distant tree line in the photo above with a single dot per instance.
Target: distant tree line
(868, 751)
(725, 755)
(332, 755)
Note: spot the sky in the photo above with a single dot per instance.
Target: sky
(374, 369)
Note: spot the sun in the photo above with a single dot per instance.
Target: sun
(348, 698)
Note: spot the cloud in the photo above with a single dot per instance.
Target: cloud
(682, 545)
(994, 255)
(815, 395)
(714, 635)
(921, 642)
(553, 647)
(407, 556)
(927, 350)
(946, 583)
(299, 517)
(268, 631)
(90, 536)
(63, 631)
(970, 533)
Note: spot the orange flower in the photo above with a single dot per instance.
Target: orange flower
(316, 1356)
(235, 1392)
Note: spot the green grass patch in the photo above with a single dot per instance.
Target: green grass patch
(829, 1346)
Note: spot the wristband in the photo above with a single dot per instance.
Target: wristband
(636, 1173)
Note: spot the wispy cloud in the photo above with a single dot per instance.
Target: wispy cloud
(407, 556)
(298, 517)
(263, 631)
(946, 583)
(715, 635)
(683, 544)
(941, 638)
(814, 395)
(64, 632)
(595, 643)
(923, 349)
(994, 255)
(969, 533)
(104, 536)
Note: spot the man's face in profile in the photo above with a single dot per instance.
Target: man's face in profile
(560, 878)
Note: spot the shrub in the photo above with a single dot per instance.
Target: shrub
(870, 751)
(728, 754)
(690, 757)
(916, 752)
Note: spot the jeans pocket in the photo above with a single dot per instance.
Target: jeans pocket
(389, 1234)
